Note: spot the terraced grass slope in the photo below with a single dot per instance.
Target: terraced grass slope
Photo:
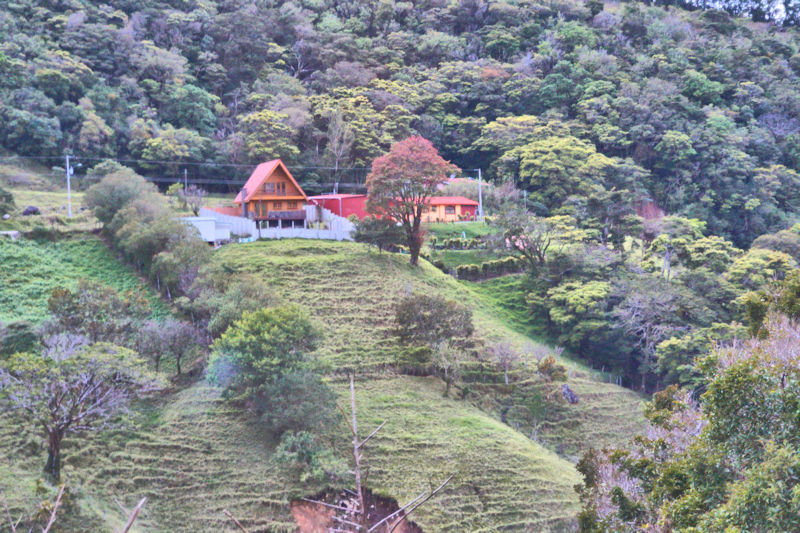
(193, 455)
(351, 291)
(32, 269)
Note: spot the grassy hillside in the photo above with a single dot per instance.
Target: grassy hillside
(32, 269)
(193, 455)
(351, 290)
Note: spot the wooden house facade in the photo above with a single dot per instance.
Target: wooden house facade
(272, 195)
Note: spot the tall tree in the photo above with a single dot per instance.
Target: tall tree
(402, 182)
(72, 388)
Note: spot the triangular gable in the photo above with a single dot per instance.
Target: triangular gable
(261, 174)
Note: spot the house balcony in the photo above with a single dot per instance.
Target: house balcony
(299, 214)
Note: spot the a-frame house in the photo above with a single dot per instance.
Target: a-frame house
(272, 194)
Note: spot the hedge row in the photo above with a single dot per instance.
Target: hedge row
(456, 243)
(490, 269)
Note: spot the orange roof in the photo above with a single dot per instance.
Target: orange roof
(451, 200)
(260, 174)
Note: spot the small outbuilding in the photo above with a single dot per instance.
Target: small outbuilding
(342, 205)
(440, 208)
(449, 209)
(210, 229)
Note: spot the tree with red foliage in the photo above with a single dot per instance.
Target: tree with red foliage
(402, 182)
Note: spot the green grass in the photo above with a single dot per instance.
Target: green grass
(506, 295)
(32, 269)
(194, 455)
(351, 292)
(453, 258)
(53, 212)
(444, 230)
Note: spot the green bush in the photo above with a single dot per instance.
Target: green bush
(19, 336)
(6, 201)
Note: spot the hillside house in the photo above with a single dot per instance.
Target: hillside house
(439, 209)
(272, 195)
(449, 209)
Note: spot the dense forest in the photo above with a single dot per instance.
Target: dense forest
(642, 185)
(598, 104)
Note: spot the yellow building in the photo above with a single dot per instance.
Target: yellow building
(449, 209)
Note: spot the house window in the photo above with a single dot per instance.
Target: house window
(449, 210)
(263, 206)
(269, 188)
(282, 188)
(291, 205)
(277, 206)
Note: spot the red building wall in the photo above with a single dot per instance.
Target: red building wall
(469, 210)
(343, 205)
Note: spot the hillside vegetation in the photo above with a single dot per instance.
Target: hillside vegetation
(194, 455)
(590, 107)
(32, 269)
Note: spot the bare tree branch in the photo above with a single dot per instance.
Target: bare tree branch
(238, 524)
(339, 507)
(377, 429)
(431, 495)
(133, 516)
(8, 514)
(55, 510)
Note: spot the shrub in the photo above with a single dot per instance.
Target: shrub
(6, 201)
(259, 348)
(383, 233)
(19, 336)
(296, 401)
(313, 462)
(116, 191)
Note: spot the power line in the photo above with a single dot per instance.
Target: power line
(211, 181)
(178, 163)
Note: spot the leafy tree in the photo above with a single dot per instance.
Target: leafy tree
(297, 401)
(786, 241)
(720, 464)
(755, 268)
(259, 348)
(176, 268)
(577, 309)
(267, 136)
(72, 388)
(431, 321)
(555, 168)
(97, 312)
(526, 236)
(114, 192)
(401, 183)
(167, 338)
(674, 236)
(383, 233)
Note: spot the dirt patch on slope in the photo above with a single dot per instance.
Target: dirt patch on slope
(316, 518)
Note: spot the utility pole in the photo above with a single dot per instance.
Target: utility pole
(69, 191)
(480, 194)
(185, 180)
